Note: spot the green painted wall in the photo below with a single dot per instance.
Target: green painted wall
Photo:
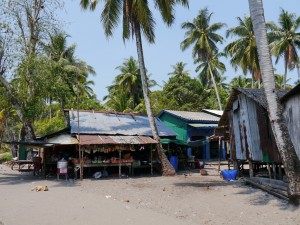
(176, 124)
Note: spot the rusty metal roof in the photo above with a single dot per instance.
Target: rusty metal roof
(115, 140)
(192, 116)
(108, 123)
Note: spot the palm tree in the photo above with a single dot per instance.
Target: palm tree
(279, 82)
(213, 68)
(137, 18)
(71, 74)
(129, 80)
(204, 38)
(243, 51)
(241, 81)
(285, 40)
(279, 128)
(178, 70)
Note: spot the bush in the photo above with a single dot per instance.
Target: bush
(5, 157)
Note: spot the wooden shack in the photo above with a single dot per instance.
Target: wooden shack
(245, 123)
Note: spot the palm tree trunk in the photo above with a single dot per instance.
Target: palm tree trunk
(167, 169)
(285, 74)
(285, 146)
(215, 86)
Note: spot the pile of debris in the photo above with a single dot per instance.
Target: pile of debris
(277, 188)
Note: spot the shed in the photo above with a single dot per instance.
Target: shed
(246, 124)
(103, 136)
(194, 129)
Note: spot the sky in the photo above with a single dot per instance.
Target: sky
(104, 54)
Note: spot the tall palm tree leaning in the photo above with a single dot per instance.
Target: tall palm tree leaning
(137, 18)
(286, 149)
(285, 40)
(203, 36)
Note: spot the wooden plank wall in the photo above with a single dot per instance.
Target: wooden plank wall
(292, 117)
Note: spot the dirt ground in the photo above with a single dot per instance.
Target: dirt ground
(187, 198)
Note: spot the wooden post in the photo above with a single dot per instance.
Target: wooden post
(269, 170)
(251, 168)
(219, 155)
(280, 171)
(235, 165)
(120, 155)
(151, 160)
(274, 170)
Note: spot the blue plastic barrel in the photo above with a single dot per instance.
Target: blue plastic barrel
(229, 174)
(174, 162)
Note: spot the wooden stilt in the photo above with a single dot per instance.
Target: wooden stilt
(251, 169)
(269, 171)
(280, 171)
(151, 160)
(120, 156)
(274, 171)
(235, 165)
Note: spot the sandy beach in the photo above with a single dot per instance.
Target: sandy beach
(187, 198)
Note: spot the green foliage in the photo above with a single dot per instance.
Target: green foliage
(49, 125)
(243, 51)
(180, 93)
(5, 157)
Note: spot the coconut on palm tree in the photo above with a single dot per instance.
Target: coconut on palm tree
(285, 40)
(279, 128)
(137, 18)
(243, 51)
(203, 37)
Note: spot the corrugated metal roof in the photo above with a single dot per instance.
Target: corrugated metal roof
(193, 116)
(213, 111)
(115, 123)
(115, 140)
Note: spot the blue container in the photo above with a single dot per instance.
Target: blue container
(229, 174)
(174, 162)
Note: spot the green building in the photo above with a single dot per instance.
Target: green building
(195, 129)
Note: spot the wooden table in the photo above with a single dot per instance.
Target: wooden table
(21, 163)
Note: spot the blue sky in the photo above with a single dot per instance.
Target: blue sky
(105, 54)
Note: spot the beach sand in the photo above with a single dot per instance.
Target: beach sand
(187, 198)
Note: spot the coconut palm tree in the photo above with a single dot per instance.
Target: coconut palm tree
(279, 82)
(243, 51)
(138, 19)
(285, 40)
(241, 81)
(70, 75)
(279, 128)
(178, 70)
(202, 35)
(129, 80)
(212, 68)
